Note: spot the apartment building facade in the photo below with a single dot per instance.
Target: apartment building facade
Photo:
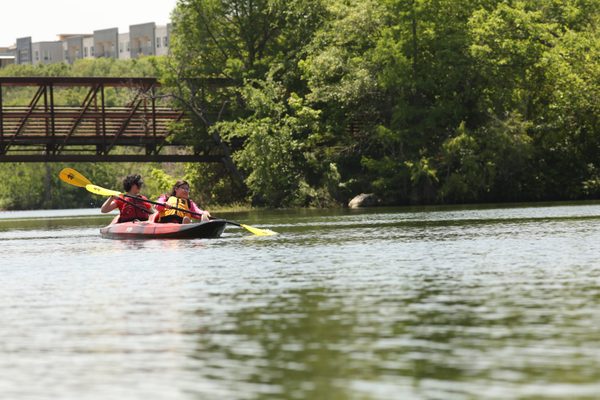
(141, 40)
(7, 56)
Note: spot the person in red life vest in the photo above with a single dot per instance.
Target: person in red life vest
(130, 209)
(177, 204)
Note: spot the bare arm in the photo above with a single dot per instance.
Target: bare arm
(195, 209)
(161, 199)
(109, 205)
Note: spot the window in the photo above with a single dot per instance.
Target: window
(92, 51)
(120, 47)
(166, 41)
(37, 55)
(127, 46)
(157, 42)
(85, 51)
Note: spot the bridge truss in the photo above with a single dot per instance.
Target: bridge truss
(80, 120)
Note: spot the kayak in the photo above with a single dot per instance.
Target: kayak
(151, 230)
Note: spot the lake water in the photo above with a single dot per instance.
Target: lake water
(423, 303)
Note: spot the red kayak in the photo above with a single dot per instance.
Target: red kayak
(151, 230)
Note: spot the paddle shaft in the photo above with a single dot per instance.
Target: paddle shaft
(186, 211)
(135, 205)
(165, 205)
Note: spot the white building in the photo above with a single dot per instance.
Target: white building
(141, 40)
(88, 47)
(47, 52)
(124, 53)
(162, 40)
(7, 55)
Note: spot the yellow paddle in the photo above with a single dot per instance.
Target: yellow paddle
(101, 191)
(107, 192)
(72, 177)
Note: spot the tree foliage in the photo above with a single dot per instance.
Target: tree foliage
(419, 101)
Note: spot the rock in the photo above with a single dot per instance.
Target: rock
(364, 200)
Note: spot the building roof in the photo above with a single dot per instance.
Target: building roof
(65, 36)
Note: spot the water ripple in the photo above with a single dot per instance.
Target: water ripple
(378, 304)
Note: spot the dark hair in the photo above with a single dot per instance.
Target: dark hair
(131, 180)
(177, 185)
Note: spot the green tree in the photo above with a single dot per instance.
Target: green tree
(240, 42)
(400, 75)
(540, 59)
(276, 145)
(492, 163)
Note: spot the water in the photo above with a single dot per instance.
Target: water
(432, 303)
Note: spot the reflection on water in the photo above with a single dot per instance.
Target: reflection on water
(372, 304)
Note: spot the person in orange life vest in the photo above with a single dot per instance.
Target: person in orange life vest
(179, 198)
(130, 209)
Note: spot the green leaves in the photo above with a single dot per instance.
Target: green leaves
(418, 100)
(494, 162)
(338, 67)
(273, 135)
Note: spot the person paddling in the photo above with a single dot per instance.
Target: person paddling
(179, 198)
(131, 205)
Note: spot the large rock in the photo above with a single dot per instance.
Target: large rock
(364, 200)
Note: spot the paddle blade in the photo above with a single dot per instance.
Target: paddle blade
(101, 191)
(72, 177)
(257, 231)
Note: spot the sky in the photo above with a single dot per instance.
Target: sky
(43, 20)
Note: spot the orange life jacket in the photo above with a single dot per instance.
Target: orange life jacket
(129, 212)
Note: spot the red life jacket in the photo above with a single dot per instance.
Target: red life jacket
(129, 212)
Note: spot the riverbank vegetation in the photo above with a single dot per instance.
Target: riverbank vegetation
(420, 102)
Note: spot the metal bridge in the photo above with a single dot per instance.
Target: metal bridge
(78, 120)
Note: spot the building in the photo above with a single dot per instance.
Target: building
(105, 43)
(23, 51)
(7, 56)
(141, 40)
(47, 52)
(72, 46)
(162, 39)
